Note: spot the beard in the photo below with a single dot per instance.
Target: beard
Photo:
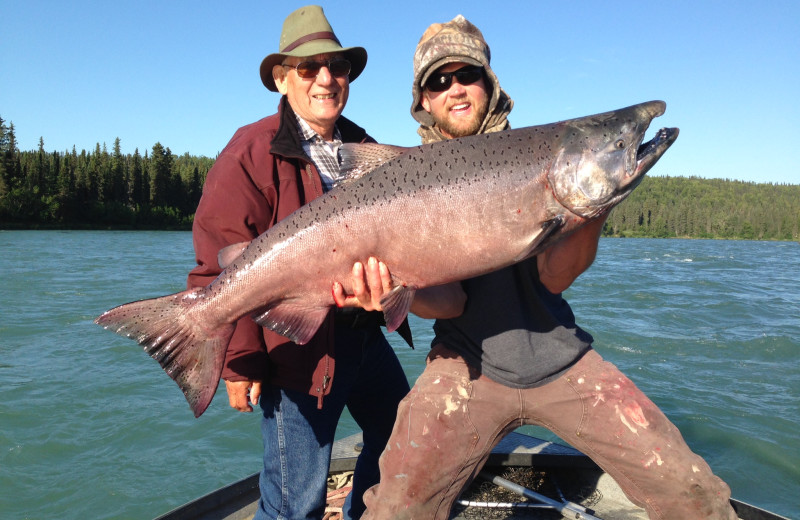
(460, 128)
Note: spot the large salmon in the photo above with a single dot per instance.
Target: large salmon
(433, 214)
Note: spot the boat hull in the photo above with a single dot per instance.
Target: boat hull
(548, 466)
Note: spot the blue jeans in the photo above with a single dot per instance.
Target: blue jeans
(298, 437)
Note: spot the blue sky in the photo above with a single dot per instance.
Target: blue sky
(185, 74)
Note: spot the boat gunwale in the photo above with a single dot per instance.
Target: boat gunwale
(514, 450)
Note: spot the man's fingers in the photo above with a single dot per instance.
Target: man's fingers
(341, 299)
(359, 288)
(338, 294)
(370, 282)
(386, 278)
(237, 395)
(374, 282)
(255, 392)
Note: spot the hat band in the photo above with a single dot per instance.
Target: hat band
(325, 35)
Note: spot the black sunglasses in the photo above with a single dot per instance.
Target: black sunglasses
(309, 69)
(441, 81)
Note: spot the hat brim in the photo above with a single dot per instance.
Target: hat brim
(356, 55)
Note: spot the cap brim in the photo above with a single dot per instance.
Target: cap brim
(356, 55)
(444, 61)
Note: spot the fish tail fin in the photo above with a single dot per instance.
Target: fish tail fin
(189, 352)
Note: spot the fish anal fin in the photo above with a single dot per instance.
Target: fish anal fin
(227, 255)
(358, 159)
(549, 228)
(396, 304)
(295, 322)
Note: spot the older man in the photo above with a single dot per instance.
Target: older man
(269, 169)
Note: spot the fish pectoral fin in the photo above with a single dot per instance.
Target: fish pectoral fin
(549, 228)
(396, 304)
(358, 159)
(227, 255)
(296, 322)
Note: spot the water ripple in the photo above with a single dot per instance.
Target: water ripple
(710, 330)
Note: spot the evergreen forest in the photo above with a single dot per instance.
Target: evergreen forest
(104, 189)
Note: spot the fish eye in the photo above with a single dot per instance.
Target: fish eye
(620, 144)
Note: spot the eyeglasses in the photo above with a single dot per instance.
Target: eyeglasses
(441, 81)
(338, 67)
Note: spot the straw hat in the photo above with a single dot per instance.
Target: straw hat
(306, 32)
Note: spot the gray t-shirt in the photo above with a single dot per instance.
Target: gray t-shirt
(513, 329)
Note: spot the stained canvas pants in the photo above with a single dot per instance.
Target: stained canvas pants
(450, 421)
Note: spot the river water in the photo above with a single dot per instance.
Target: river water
(90, 427)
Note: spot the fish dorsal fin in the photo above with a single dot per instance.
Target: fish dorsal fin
(396, 304)
(358, 159)
(296, 322)
(549, 227)
(228, 254)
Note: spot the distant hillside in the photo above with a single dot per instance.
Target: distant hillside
(692, 207)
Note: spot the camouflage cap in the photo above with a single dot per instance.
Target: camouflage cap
(455, 41)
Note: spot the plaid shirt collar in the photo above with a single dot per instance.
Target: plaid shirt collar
(324, 154)
(308, 134)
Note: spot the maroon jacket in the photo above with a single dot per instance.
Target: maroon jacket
(260, 177)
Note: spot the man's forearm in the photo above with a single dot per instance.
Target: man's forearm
(560, 264)
(441, 301)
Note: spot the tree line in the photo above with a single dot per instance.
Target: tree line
(106, 189)
(97, 189)
(692, 207)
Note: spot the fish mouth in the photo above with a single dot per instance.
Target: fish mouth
(650, 152)
(647, 154)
